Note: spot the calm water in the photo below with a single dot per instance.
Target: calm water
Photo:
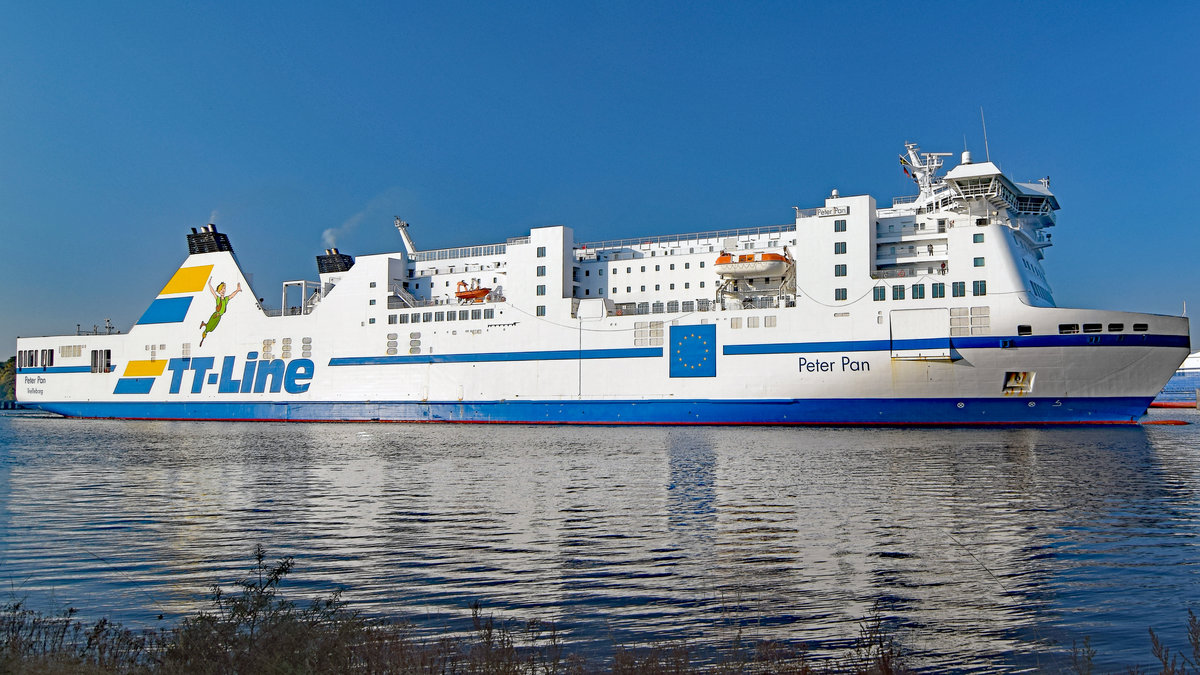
(983, 548)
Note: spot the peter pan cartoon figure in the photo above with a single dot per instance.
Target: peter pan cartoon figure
(222, 304)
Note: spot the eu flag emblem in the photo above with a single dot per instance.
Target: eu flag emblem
(693, 351)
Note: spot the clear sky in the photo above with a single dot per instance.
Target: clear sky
(123, 124)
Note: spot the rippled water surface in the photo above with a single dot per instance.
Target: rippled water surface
(982, 548)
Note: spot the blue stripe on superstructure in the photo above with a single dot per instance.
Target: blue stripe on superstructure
(166, 310)
(833, 411)
(134, 385)
(973, 342)
(56, 369)
(555, 355)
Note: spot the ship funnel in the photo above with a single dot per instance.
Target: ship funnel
(966, 157)
(333, 261)
(208, 240)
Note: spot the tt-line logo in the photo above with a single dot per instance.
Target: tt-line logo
(256, 376)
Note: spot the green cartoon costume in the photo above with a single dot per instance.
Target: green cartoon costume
(222, 304)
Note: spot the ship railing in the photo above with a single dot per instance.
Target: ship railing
(461, 252)
(691, 236)
(911, 273)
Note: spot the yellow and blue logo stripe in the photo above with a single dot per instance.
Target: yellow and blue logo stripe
(174, 309)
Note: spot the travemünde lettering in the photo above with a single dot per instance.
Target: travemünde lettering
(936, 309)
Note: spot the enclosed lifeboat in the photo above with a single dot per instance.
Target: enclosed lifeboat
(733, 266)
(471, 293)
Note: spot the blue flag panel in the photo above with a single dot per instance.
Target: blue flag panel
(693, 351)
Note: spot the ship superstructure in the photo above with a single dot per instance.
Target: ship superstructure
(933, 310)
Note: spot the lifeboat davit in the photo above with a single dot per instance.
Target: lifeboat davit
(469, 294)
(751, 265)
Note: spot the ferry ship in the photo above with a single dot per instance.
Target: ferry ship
(1183, 388)
(935, 309)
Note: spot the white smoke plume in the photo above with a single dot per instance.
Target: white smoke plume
(380, 207)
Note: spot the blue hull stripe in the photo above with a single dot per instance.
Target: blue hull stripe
(557, 355)
(134, 385)
(56, 369)
(978, 342)
(166, 310)
(925, 411)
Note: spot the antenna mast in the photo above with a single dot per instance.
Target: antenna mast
(986, 151)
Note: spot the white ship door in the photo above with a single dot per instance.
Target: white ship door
(921, 334)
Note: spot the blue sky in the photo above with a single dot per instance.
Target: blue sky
(124, 124)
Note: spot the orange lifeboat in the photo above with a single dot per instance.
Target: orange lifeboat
(469, 294)
(752, 265)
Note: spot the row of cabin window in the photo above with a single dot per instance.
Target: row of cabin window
(451, 315)
(657, 268)
(958, 289)
(34, 358)
(1072, 328)
(657, 287)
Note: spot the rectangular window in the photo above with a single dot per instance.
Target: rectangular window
(416, 318)
(839, 247)
(979, 262)
(839, 226)
(541, 251)
(476, 313)
(1024, 330)
(392, 318)
(371, 301)
(451, 316)
(371, 320)
(979, 288)
(489, 313)
(462, 315)
(439, 316)
(1068, 328)
(839, 270)
(735, 322)
(1140, 327)
(541, 290)
(978, 237)
(898, 292)
(958, 288)
(403, 318)
(1116, 327)
(752, 322)
(427, 317)
(541, 270)
(1093, 328)
(939, 290)
(541, 310)
(918, 291)
(880, 293)
(839, 294)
